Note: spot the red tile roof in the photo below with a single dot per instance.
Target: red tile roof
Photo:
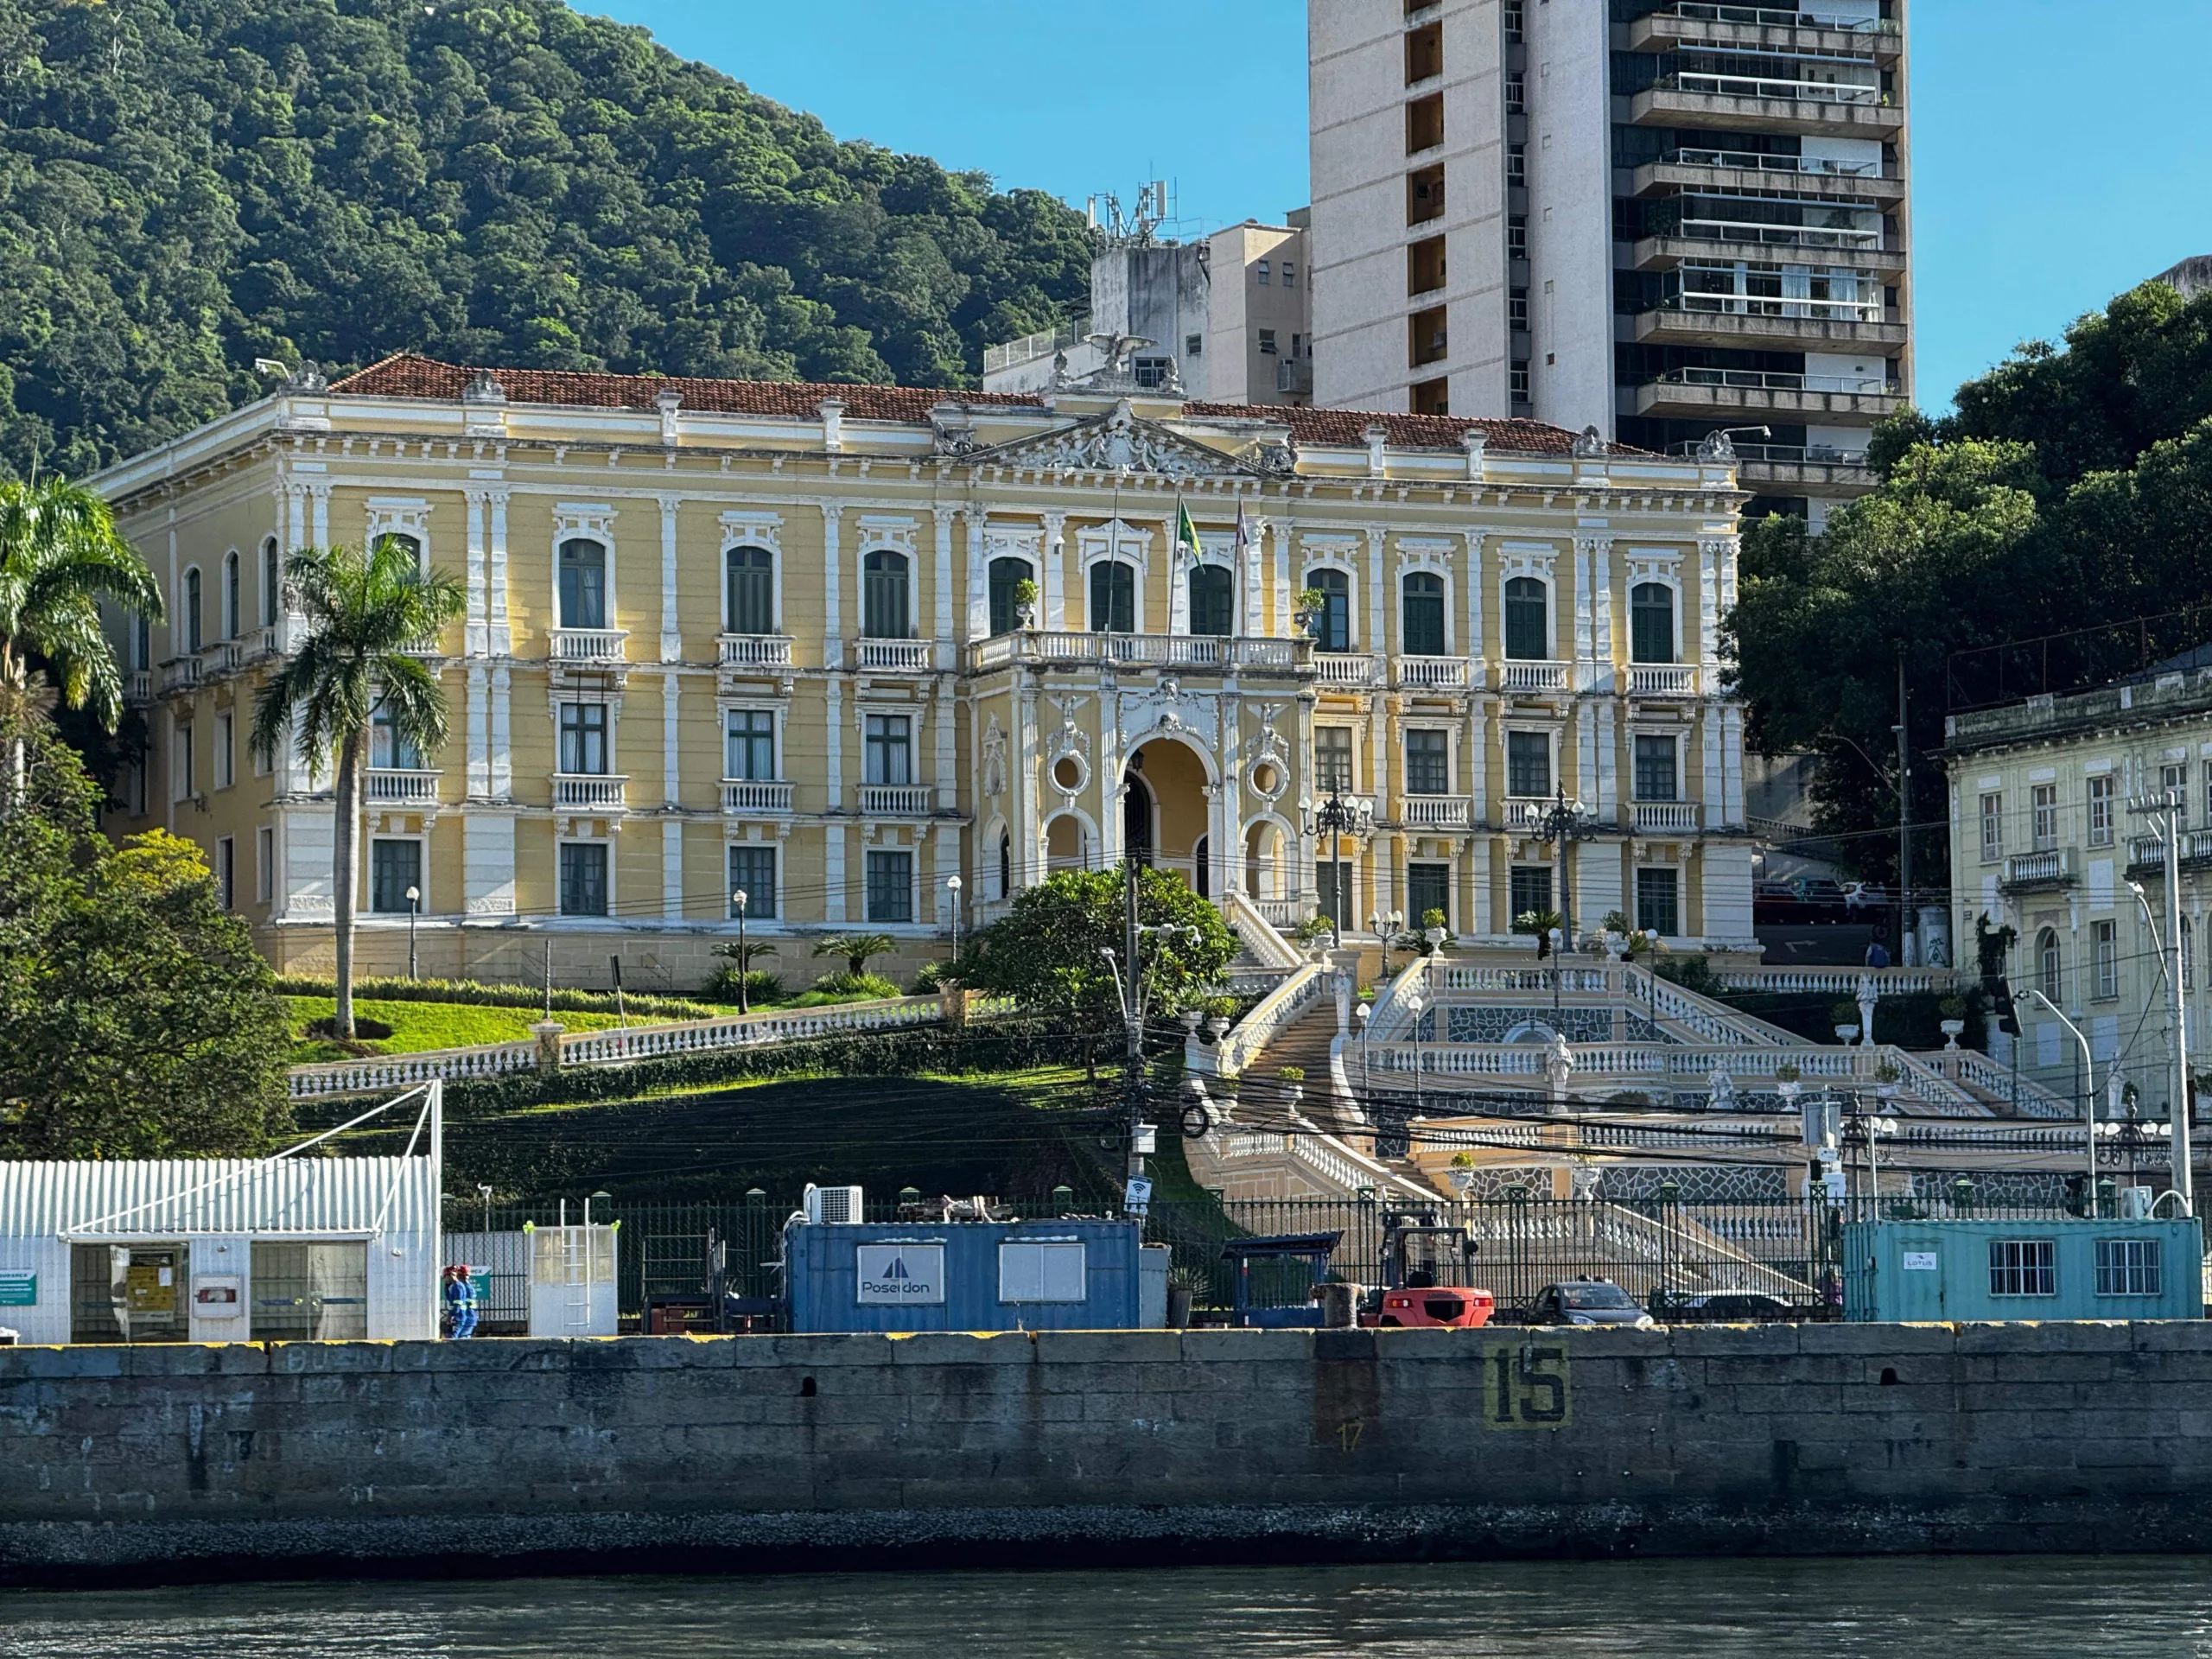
(410, 376)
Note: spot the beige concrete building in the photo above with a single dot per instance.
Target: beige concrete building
(1660, 217)
(733, 635)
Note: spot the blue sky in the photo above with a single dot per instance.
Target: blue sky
(2062, 149)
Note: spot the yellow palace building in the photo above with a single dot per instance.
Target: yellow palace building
(732, 635)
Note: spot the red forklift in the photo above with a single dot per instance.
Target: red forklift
(1426, 1263)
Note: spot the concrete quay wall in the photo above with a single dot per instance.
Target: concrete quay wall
(663, 1453)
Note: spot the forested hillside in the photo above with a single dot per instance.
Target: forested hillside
(187, 184)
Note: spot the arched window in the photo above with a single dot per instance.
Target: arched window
(1333, 632)
(1006, 866)
(1136, 821)
(2048, 964)
(1006, 575)
(233, 617)
(145, 641)
(272, 578)
(192, 611)
(1113, 597)
(1421, 623)
(1651, 623)
(1528, 620)
(1213, 601)
(1201, 867)
(748, 591)
(884, 609)
(583, 584)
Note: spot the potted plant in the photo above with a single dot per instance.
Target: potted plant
(1845, 1017)
(1953, 1010)
(1183, 1284)
(1025, 603)
(1887, 1078)
(1306, 608)
(1432, 929)
(1615, 930)
(1315, 928)
(1292, 1078)
(1789, 1079)
(1462, 1172)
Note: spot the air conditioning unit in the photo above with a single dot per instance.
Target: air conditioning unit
(833, 1206)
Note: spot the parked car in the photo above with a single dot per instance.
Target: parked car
(1586, 1301)
(1818, 890)
(1727, 1307)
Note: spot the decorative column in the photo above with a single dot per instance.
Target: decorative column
(833, 639)
(479, 730)
(1713, 554)
(671, 620)
(833, 773)
(475, 635)
(1055, 583)
(947, 765)
(979, 577)
(1255, 532)
(1022, 779)
(1378, 614)
(1283, 588)
(671, 869)
(320, 493)
(501, 638)
(1585, 647)
(1474, 607)
(943, 516)
(1602, 650)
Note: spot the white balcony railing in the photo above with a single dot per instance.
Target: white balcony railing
(1697, 304)
(402, 787)
(1781, 236)
(1818, 92)
(1853, 385)
(748, 795)
(138, 686)
(1343, 668)
(1663, 679)
(1432, 673)
(1434, 811)
(1755, 161)
(892, 655)
(180, 671)
(1664, 817)
(1522, 815)
(1188, 651)
(587, 644)
(1524, 676)
(895, 800)
(755, 651)
(2148, 852)
(2056, 864)
(1781, 18)
(589, 791)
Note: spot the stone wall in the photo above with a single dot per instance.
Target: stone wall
(672, 1452)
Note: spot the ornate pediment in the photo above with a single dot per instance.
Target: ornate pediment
(1117, 442)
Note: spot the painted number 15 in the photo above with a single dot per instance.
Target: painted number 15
(1528, 1385)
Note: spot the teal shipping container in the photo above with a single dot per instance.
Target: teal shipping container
(965, 1275)
(2048, 1270)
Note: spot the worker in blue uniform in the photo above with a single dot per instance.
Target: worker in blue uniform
(460, 1303)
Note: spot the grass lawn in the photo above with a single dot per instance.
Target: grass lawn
(419, 1025)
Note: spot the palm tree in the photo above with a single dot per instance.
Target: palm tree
(60, 553)
(856, 949)
(366, 613)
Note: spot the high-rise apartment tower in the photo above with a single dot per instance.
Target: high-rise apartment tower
(1664, 218)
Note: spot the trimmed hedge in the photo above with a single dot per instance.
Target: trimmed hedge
(469, 991)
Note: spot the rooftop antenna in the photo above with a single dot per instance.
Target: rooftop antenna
(1136, 227)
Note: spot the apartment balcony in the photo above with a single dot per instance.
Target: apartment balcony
(1344, 670)
(1750, 323)
(401, 786)
(1695, 26)
(754, 651)
(751, 796)
(1191, 653)
(1449, 812)
(1663, 679)
(1529, 678)
(1429, 673)
(1799, 469)
(2053, 866)
(895, 800)
(1521, 816)
(180, 674)
(1663, 817)
(892, 655)
(586, 647)
(590, 792)
(2146, 855)
(1826, 109)
(1751, 394)
(138, 687)
(1752, 242)
(1707, 170)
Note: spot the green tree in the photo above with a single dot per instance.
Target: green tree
(61, 554)
(1047, 951)
(856, 949)
(140, 1020)
(368, 612)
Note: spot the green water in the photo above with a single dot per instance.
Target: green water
(1955, 1607)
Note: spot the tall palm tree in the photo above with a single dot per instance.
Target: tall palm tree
(60, 553)
(364, 610)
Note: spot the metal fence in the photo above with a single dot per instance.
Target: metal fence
(1661, 1251)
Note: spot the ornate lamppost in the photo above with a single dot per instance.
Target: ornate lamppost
(1323, 824)
(1563, 821)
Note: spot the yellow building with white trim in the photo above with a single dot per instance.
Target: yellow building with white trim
(727, 634)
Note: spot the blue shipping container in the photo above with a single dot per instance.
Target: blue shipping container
(1031, 1275)
(2064, 1270)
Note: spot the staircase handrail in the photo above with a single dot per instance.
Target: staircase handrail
(1260, 936)
(1273, 1014)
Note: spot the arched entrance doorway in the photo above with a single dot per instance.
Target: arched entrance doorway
(1165, 816)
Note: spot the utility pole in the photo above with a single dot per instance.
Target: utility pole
(2165, 816)
(1908, 941)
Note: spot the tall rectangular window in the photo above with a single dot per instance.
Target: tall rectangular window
(1333, 876)
(225, 751)
(2104, 941)
(182, 784)
(227, 873)
(749, 599)
(1659, 902)
(1657, 776)
(1992, 827)
(2024, 1266)
(889, 758)
(1528, 620)
(1530, 888)
(1113, 597)
(265, 864)
(1428, 887)
(584, 878)
(1651, 623)
(1213, 601)
(1528, 764)
(582, 584)
(395, 865)
(388, 745)
(2043, 807)
(2129, 1267)
(890, 887)
(2173, 783)
(1428, 763)
(2100, 799)
(752, 873)
(1332, 760)
(751, 745)
(583, 738)
(1420, 616)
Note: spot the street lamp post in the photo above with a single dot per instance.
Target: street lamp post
(1563, 821)
(952, 887)
(744, 970)
(2089, 1083)
(414, 909)
(1323, 824)
(2167, 818)
(1415, 1005)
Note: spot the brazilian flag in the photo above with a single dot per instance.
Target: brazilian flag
(1187, 533)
